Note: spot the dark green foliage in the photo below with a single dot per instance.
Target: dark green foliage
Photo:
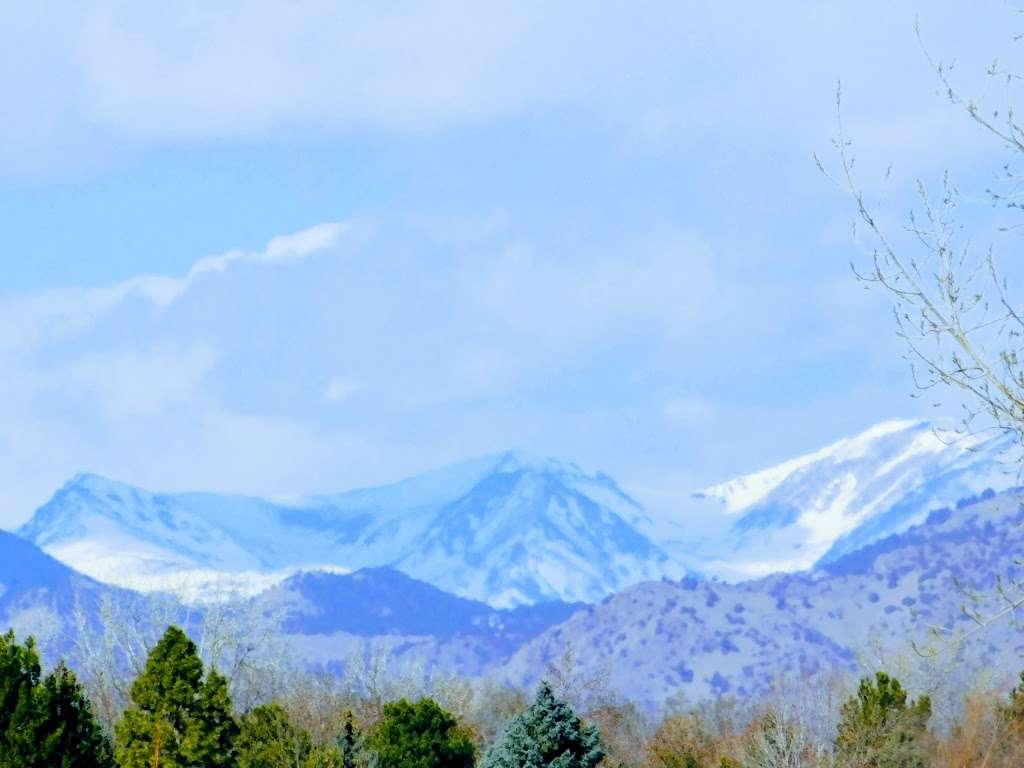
(350, 743)
(420, 735)
(213, 729)
(547, 734)
(177, 720)
(45, 722)
(878, 728)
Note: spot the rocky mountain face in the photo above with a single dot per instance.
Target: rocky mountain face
(330, 619)
(697, 639)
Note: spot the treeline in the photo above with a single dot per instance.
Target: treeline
(181, 715)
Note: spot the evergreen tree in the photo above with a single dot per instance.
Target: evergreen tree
(45, 722)
(879, 729)
(420, 735)
(176, 720)
(350, 742)
(65, 732)
(547, 734)
(213, 730)
(19, 677)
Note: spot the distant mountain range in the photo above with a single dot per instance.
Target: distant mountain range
(511, 529)
(507, 530)
(465, 570)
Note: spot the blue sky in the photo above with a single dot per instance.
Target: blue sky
(285, 252)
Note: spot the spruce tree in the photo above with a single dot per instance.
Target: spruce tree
(176, 719)
(420, 735)
(547, 734)
(879, 728)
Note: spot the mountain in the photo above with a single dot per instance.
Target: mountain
(694, 639)
(329, 618)
(818, 507)
(43, 597)
(507, 529)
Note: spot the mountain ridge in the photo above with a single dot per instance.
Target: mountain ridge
(507, 528)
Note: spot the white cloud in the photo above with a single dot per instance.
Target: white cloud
(26, 322)
(164, 290)
(97, 72)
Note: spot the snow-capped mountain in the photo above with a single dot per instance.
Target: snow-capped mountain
(825, 504)
(506, 529)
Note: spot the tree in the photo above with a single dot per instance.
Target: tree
(420, 735)
(547, 734)
(681, 741)
(267, 739)
(45, 722)
(1012, 712)
(350, 742)
(213, 730)
(177, 720)
(879, 728)
(952, 306)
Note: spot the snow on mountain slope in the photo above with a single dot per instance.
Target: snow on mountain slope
(818, 507)
(695, 639)
(506, 529)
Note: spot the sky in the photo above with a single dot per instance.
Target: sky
(281, 249)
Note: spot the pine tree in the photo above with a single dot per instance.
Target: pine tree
(879, 729)
(212, 731)
(66, 733)
(420, 735)
(19, 677)
(45, 722)
(547, 734)
(176, 720)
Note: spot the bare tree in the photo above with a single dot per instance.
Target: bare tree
(963, 330)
